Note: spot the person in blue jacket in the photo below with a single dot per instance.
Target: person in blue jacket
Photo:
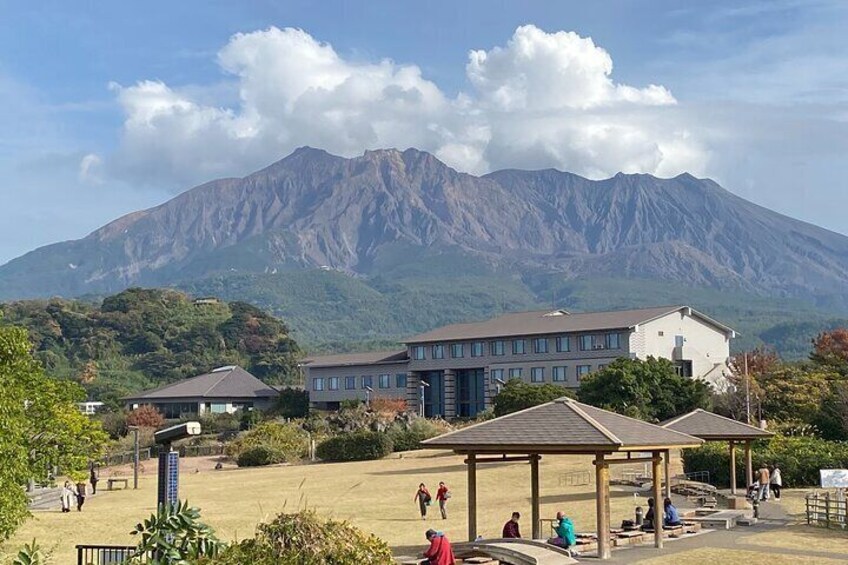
(564, 529)
(672, 516)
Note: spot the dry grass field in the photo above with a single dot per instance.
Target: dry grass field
(374, 495)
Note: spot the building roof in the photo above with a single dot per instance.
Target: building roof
(220, 383)
(709, 426)
(556, 321)
(561, 426)
(352, 359)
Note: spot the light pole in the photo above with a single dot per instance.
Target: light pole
(500, 383)
(134, 430)
(424, 384)
(368, 392)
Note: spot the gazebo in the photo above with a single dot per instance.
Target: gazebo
(564, 427)
(712, 427)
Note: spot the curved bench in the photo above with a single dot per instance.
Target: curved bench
(517, 551)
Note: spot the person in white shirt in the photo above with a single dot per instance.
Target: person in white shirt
(776, 481)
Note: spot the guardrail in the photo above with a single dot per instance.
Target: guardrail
(827, 509)
(103, 554)
(126, 458)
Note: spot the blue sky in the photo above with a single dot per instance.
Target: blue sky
(106, 108)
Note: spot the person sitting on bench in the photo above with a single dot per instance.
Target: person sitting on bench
(440, 551)
(672, 517)
(565, 532)
(648, 523)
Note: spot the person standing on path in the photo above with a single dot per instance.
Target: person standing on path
(81, 492)
(422, 496)
(68, 496)
(776, 481)
(442, 495)
(764, 477)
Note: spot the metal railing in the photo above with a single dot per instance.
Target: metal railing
(103, 554)
(576, 479)
(126, 458)
(827, 509)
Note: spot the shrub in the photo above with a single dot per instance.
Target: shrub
(218, 423)
(145, 416)
(114, 423)
(174, 534)
(305, 539)
(517, 395)
(408, 438)
(799, 458)
(389, 406)
(358, 446)
(286, 438)
(293, 403)
(260, 455)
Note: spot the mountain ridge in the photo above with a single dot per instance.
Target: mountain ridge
(314, 209)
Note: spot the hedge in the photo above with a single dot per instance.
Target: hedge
(260, 455)
(289, 439)
(358, 446)
(799, 459)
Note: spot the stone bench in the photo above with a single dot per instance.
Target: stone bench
(112, 481)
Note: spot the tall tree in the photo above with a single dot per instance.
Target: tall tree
(41, 427)
(830, 349)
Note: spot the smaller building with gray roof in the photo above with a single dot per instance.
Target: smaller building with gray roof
(222, 390)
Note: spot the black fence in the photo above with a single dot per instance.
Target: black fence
(103, 554)
(153, 452)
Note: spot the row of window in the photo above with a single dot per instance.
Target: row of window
(366, 381)
(588, 342)
(537, 374)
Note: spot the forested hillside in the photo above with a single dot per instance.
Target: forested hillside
(142, 338)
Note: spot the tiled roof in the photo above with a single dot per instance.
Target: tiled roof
(709, 426)
(225, 382)
(561, 426)
(349, 359)
(556, 321)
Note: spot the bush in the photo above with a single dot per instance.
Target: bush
(145, 416)
(358, 446)
(260, 455)
(408, 438)
(287, 439)
(305, 539)
(799, 458)
(218, 423)
(293, 403)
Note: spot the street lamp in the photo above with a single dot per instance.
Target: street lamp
(169, 460)
(424, 384)
(500, 383)
(134, 430)
(368, 392)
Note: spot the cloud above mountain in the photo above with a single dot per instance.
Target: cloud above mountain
(541, 100)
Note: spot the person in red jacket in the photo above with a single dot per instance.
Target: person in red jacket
(442, 495)
(510, 529)
(440, 551)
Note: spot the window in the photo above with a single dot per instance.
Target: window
(537, 375)
(678, 340)
(457, 350)
(334, 383)
(558, 375)
(368, 381)
(418, 352)
(613, 341)
(583, 370)
(519, 346)
(385, 381)
(438, 352)
(477, 349)
(591, 342)
(350, 383)
(515, 373)
(585, 343)
(540, 345)
(498, 347)
(217, 407)
(495, 375)
(563, 345)
(318, 384)
(173, 410)
(400, 380)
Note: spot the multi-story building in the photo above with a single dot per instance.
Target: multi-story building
(456, 370)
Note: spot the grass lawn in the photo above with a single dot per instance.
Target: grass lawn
(374, 495)
(717, 556)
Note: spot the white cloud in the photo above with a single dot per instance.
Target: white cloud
(89, 169)
(542, 100)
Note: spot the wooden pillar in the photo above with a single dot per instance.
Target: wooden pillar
(667, 473)
(732, 467)
(658, 499)
(472, 496)
(602, 505)
(749, 466)
(534, 496)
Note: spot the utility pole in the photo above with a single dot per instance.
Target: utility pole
(747, 392)
(135, 456)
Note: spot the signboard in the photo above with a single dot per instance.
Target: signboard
(834, 478)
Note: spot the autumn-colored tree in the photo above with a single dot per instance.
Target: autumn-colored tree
(747, 370)
(88, 373)
(830, 349)
(145, 416)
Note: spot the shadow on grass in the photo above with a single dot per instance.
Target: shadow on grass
(442, 469)
(579, 497)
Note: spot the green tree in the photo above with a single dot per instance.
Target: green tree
(41, 427)
(649, 389)
(517, 395)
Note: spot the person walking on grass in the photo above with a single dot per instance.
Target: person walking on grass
(93, 477)
(510, 529)
(764, 478)
(67, 495)
(423, 498)
(442, 495)
(776, 481)
(81, 492)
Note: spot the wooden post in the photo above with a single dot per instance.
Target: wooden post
(534, 496)
(733, 468)
(667, 474)
(472, 496)
(602, 506)
(658, 500)
(749, 466)
(827, 510)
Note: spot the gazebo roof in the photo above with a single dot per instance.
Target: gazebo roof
(562, 426)
(712, 427)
